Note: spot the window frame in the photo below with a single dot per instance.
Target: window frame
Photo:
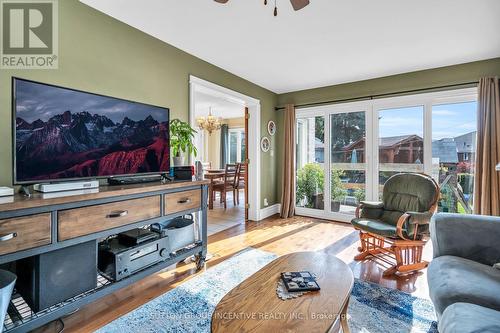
(372, 108)
(239, 141)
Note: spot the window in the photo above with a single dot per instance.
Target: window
(400, 142)
(346, 152)
(347, 163)
(236, 145)
(454, 128)
(310, 158)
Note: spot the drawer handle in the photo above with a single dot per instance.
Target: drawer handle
(7, 237)
(184, 200)
(118, 213)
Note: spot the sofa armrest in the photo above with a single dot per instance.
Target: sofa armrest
(473, 237)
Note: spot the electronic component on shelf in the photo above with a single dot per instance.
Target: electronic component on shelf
(136, 236)
(69, 186)
(117, 260)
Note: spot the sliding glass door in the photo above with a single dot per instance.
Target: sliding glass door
(346, 152)
(347, 161)
(454, 128)
(400, 142)
(331, 155)
(310, 163)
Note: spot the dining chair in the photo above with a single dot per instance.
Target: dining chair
(227, 184)
(239, 181)
(206, 165)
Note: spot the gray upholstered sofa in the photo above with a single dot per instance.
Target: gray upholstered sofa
(463, 284)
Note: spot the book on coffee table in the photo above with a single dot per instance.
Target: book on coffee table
(300, 281)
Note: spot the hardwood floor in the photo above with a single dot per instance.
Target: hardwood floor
(220, 219)
(280, 236)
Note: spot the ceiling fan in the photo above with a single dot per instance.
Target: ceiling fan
(296, 4)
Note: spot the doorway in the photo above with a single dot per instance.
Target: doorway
(228, 146)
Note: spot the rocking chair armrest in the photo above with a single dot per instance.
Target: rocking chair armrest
(400, 224)
(420, 218)
(371, 204)
(375, 206)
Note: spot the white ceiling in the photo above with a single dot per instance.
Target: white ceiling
(328, 42)
(221, 107)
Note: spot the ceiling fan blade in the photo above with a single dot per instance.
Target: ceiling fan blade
(221, 1)
(298, 4)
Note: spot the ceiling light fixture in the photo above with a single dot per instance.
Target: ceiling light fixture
(209, 123)
(296, 4)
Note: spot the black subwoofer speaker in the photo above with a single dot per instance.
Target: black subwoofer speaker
(53, 277)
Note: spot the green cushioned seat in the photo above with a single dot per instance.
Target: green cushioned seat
(404, 193)
(377, 227)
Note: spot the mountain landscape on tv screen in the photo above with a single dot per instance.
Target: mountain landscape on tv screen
(71, 145)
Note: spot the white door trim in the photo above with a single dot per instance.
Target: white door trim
(253, 105)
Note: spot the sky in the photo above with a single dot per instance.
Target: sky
(448, 120)
(38, 101)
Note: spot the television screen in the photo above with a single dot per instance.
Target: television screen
(62, 134)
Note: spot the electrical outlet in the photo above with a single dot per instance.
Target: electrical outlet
(266, 203)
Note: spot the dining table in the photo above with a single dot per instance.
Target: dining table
(214, 170)
(212, 176)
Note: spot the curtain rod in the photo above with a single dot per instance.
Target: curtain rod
(369, 97)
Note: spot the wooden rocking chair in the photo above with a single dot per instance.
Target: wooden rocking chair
(399, 225)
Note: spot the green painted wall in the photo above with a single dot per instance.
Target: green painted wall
(102, 55)
(409, 81)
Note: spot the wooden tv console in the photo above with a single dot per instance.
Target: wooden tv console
(45, 222)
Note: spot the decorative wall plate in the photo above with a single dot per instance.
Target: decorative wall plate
(265, 144)
(271, 127)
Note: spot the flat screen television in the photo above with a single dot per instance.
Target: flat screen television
(64, 134)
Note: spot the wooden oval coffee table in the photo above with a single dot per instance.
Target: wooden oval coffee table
(253, 305)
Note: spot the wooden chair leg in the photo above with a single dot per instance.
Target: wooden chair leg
(225, 201)
(234, 197)
(407, 253)
(238, 196)
(408, 257)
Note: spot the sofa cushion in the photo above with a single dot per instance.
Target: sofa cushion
(453, 279)
(468, 318)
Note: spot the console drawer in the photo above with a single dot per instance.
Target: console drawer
(180, 201)
(25, 232)
(78, 222)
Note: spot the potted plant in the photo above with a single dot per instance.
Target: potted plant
(337, 190)
(359, 194)
(181, 140)
(310, 181)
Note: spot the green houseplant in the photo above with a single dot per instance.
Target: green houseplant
(337, 190)
(310, 182)
(181, 140)
(359, 194)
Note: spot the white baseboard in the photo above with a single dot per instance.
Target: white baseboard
(269, 211)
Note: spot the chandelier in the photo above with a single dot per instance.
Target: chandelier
(209, 123)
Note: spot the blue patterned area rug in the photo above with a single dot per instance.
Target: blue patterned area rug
(189, 307)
